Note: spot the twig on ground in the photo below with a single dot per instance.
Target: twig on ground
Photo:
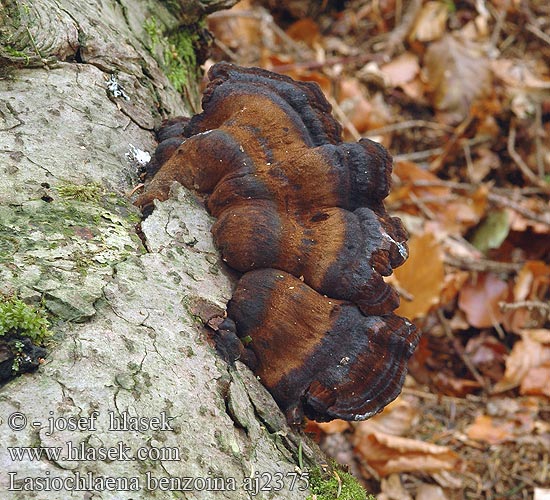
(538, 33)
(504, 200)
(407, 125)
(332, 61)
(526, 304)
(422, 206)
(225, 49)
(461, 352)
(339, 112)
(514, 205)
(518, 160)
(539, 133)
(403, 27)
(441, 397)
(500, 18)
(419, 155)
(483, 265)
(451, 143)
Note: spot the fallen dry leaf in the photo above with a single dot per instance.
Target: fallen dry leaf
(487, 354)
(458, 74)
(391, 488)
(452, 285)
(401, 70)
(537, 380)
(305, 30)
(531, 352)
(516, 73)
(392, 454)
(479, 300)
(531, 284)
(421, 276)
(430, 492)
(491, 430)
(240, 33)
(484, 162)
(464, 212)
(334, 426)
(430, 23)
(396, 419)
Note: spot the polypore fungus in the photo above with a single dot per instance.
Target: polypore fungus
(301, 214)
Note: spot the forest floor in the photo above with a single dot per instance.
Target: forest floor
(459, 92)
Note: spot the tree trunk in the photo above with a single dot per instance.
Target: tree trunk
(79, 83)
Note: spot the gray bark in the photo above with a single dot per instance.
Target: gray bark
(128, 320)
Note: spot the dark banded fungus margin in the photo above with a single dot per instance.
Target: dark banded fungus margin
(301, 214)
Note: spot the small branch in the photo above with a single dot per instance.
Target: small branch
(461, 352)
(339, 112)
(504, 200)
(518, 160)
(407, 125)
(509, 203)
(225, 49)
(419, 155)
(539, 133)
(483, 265)
(333, 61)
(539, 33)
(526, 304)
(403, 27)
(500, 18)
(441, 397)
(451, 143)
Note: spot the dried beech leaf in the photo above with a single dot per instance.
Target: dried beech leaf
(239, 33)
(532, 281)
(421, 276)
(334, 427)
(391, 488)
(487, 354)
(492, 431)
(458, 75)
(537, 380)
(431, 492)
(401, 70)
(485, 161)
(396, 419)
(305, 30)
(452, 285)
(531, 352)
(408, 174)
(391, 454)
(515, 73)
(531, 284)
(430, 23)
(479, 300)
(465, 212)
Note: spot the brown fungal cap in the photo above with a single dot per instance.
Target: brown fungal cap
(294, 201)
(318, 356)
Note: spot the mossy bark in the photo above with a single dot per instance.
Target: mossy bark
(79, 83)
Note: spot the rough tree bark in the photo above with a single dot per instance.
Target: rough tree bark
(80, 82)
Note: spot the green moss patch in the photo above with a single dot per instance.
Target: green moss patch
(335, 485)
(18, 319)
(175, 50)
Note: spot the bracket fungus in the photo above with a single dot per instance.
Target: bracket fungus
(300, 213)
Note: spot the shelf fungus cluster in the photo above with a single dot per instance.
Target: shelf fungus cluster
(300, 213)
